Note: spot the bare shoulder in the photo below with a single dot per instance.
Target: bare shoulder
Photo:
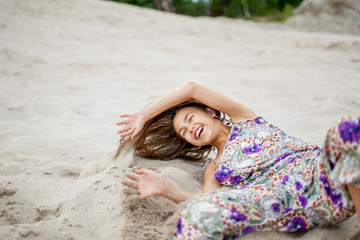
(211, 166)
(210, 183)
(246, 114)
(238, 118)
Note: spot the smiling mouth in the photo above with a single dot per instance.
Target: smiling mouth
(198, 132)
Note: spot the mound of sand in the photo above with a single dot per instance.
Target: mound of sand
(69, 69)
(338, 16)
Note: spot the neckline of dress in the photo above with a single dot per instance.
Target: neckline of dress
(231, 133)
(245, 121)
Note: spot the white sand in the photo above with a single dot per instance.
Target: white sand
(69, 69)
(339, 16)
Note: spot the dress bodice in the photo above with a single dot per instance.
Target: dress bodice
(257, 152)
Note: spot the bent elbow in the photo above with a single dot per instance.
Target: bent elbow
(191, 88)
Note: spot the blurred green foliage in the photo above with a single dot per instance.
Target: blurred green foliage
(265, 10)
(187, 7)
(140, 3)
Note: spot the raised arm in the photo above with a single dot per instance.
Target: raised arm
(202, 94)
(191, 90)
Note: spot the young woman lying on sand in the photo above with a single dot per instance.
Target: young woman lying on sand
(280, 183)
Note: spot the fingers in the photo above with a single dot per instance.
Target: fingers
(143, 171)
(126, 131)
(123, 122)
(133, 125)
(135, 133)
(130, 184)
(142, 197)
(127, 128)
(132, 176)
(140, 171)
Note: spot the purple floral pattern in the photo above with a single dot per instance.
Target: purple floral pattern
(285, 179)
(278, 180)
(295, 225)
(223, 174)
(234, 236)
(235, 215)
(252, 148)
(288, 210)
(179, 226)
(248, 230)
(235, 179)
(303, 201)
(233, 137)
(257, 121)
(334, 195)
(350, 131)
(282, 156)
(275, 207)
(292, 160)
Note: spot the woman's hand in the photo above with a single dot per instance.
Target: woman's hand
(133, 125)
(147, 182)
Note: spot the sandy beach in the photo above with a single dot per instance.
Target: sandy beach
(69, 69)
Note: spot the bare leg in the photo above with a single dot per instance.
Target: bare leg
(355, 196)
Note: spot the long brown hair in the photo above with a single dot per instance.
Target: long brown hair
(159, 140)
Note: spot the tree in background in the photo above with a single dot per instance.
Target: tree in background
(278, 10)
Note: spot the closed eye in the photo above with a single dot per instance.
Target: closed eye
(183, 132)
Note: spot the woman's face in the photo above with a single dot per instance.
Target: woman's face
(195, 125)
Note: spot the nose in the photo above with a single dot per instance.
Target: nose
(192, 128)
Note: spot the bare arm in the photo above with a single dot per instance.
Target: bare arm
(210, 183)
(149, 183)
(204, 95)
(186, 92)
(174, 193)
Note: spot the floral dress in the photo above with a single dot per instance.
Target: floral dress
(279, 182)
